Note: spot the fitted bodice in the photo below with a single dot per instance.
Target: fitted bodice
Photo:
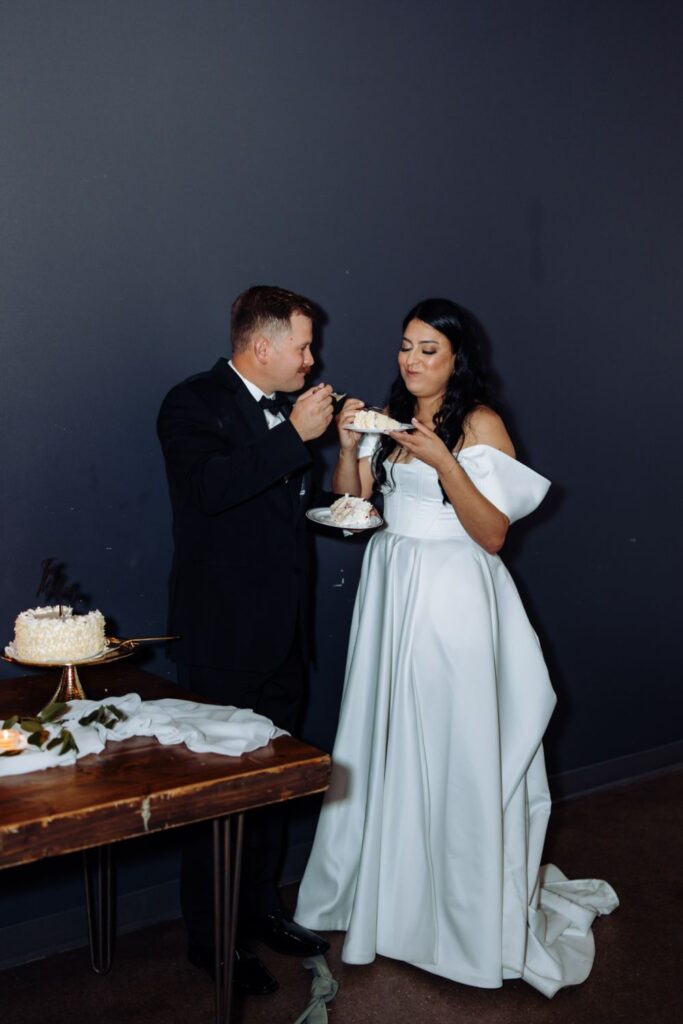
(413, 500)
(414, 505)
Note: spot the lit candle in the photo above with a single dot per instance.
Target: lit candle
(11, 741)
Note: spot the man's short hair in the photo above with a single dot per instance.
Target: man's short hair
(266, 310)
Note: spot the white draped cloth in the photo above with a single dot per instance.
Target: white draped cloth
(428, 847)
(203, 728)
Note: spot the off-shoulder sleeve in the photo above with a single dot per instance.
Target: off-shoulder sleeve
(511, 486)
(368, 443)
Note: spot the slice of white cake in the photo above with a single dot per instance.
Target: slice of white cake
(55, 634)
(353, 513)
(370, 419)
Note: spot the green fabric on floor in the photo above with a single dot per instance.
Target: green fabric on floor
(323, 990)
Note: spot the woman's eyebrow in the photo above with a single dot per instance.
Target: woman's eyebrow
(425, 341)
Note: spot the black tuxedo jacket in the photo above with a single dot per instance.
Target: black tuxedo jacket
(239, 581)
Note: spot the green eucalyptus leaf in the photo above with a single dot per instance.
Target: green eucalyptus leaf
(52, 712)
(68, 742)
(9, 722)
(54, 742)
(30, 724)
(88, 719)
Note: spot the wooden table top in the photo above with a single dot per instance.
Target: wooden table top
(136, 786)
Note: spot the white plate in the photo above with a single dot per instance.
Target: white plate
(322, 517)
(376, 430)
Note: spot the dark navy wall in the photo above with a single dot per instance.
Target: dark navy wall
(161, 155)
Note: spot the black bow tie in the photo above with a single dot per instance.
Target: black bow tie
(275, 405)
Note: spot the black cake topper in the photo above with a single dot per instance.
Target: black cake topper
(55, 588)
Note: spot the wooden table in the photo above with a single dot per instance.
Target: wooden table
(136, 787)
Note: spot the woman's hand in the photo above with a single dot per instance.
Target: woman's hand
(348, 439)
(348, 477)
(424, 444)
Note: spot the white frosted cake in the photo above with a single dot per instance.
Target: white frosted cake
(55, 634)
(370, 419)
(353, 513)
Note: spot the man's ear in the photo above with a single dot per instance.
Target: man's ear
(262, 349)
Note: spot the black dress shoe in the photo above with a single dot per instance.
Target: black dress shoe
(249, 974)
(286, 936)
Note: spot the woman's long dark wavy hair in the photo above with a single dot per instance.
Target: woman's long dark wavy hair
(467, 387)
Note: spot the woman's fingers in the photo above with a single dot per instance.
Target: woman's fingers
(348, 439)
(352, 404)
(427, 431)
(404, 440)
(423, 443)
(349, 410)
(409, 440)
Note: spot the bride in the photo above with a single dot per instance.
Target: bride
(428, 847)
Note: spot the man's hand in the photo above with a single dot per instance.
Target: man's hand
(312, 412)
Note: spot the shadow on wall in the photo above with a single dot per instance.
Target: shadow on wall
(516, 539)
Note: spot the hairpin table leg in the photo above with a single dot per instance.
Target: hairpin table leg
(99, 905)
(226, 884)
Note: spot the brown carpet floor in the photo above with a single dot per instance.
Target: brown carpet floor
(632, 836)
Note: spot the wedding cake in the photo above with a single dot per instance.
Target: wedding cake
(55, 634)
(353, 513)
(370, 419)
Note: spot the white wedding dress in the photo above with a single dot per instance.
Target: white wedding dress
(428, 847)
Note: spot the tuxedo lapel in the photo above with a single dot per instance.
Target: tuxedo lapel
(251, 413)
(249, 409)
(298, 482)
(303, 495)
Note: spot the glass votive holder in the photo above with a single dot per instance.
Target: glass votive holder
(11, 742)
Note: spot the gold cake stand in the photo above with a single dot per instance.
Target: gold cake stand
(70, 687)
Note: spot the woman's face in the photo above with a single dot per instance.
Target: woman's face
(426, 360)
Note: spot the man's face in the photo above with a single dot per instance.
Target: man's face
(290, 354)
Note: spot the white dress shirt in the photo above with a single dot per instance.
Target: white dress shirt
(272, 418)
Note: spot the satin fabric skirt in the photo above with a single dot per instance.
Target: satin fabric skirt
(429, 844)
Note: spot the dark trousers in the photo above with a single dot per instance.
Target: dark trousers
(279, 695)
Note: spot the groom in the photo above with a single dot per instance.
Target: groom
(239, 477)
